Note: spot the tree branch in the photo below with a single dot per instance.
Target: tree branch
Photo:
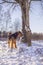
(10, 1)
(13, 6)
(4, 1)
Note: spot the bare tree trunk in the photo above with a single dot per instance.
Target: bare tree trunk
(25, 22)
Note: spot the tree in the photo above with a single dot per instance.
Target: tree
(25, 5)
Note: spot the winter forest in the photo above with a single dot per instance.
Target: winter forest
(6, 15)
(24, 17)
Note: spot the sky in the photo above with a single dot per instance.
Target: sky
(35, 18)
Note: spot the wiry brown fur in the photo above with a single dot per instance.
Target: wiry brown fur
(12, 39)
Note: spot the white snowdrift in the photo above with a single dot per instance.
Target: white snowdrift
(23, 55)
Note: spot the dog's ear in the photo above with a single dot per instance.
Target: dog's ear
(9, 34)
(21, 33)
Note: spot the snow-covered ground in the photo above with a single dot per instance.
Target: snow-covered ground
(23, 55)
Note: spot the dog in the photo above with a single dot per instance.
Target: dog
(12, 39)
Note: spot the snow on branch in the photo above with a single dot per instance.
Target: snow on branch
(1, 2)
(8, 1)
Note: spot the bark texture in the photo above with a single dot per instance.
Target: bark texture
(25, 5)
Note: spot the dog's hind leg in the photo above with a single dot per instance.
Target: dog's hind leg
(14, 44)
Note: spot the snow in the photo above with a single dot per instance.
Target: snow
(22, 55)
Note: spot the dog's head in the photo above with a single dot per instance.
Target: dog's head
(20, 34)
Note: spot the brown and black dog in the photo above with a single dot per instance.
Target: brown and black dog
(12, 39)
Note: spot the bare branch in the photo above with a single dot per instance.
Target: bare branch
(18, 1)
(13, 7)
(10, 1)
(2, 2)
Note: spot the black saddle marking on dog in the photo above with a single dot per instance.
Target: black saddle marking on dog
(13, 35)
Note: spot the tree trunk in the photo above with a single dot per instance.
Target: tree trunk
(25, 22)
